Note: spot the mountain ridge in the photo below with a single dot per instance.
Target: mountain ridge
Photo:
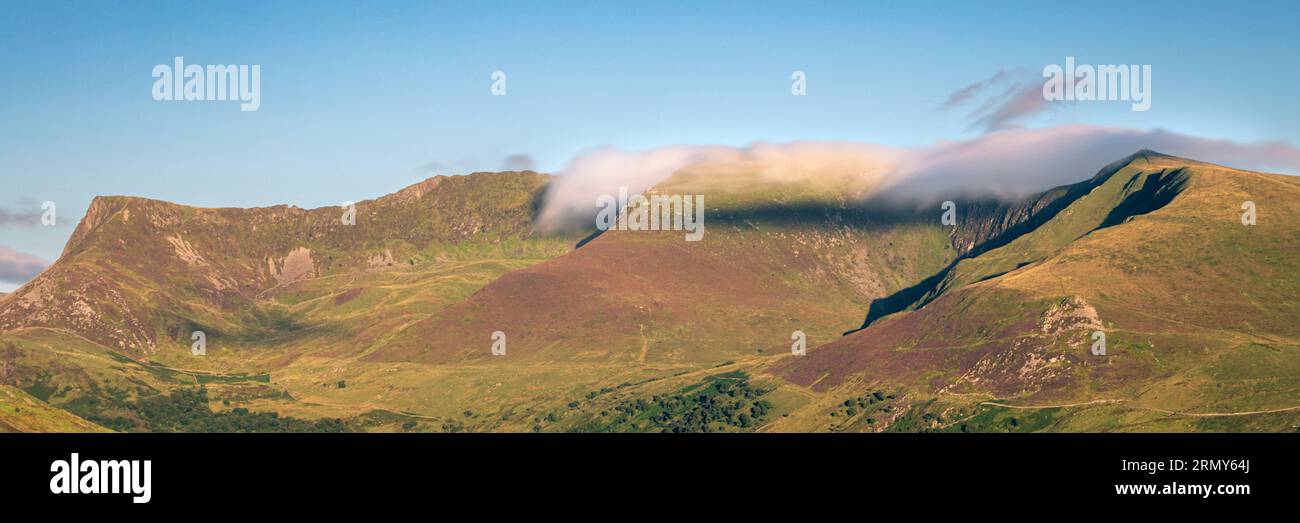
(228, 256)
(310, 318)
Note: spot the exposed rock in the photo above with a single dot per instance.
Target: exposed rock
(380, 261)
(185, 251)
(1073, 317)
(296, 266)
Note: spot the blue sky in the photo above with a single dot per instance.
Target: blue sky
(358, 101)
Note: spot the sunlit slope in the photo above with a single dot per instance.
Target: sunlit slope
(1199, 311)
(320, 327)
(140, 273)
(21, 412)
(109, 325)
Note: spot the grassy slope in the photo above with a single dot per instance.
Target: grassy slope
(321, 327)
(21, 412)
(635, 314)
(1198, 309)
(368, 330)
(635, 306)
(121, 279)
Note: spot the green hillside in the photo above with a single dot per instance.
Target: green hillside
(1198, 312)
(21, 412)
(387, 325)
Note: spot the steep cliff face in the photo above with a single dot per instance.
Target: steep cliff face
(993, 237)
(987, 223)
(136, 269)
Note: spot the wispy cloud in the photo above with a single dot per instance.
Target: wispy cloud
(1017, 162)
(468, 164)
(1005, 100)
(517, 162)
(431, 168)
(18, 268)
(20, 218)
(974, 90)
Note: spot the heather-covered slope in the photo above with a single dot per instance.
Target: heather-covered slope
(776, 257)
(1199, 313)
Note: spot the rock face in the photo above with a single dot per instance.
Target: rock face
(135, 269)
(1071, 316)
(988, 221)
(380, 261)
(1032, 362)
(293, 267)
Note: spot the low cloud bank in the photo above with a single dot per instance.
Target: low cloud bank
(570, 199)
(1006, 164)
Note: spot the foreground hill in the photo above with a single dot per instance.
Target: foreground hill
(21, 412)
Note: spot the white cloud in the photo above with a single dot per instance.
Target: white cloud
(1007, 163)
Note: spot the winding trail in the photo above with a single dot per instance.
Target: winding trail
(645, 345)
(1219, 414)
(1140, 407)
(1093, 402)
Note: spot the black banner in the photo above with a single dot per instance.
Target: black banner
(319, 472)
